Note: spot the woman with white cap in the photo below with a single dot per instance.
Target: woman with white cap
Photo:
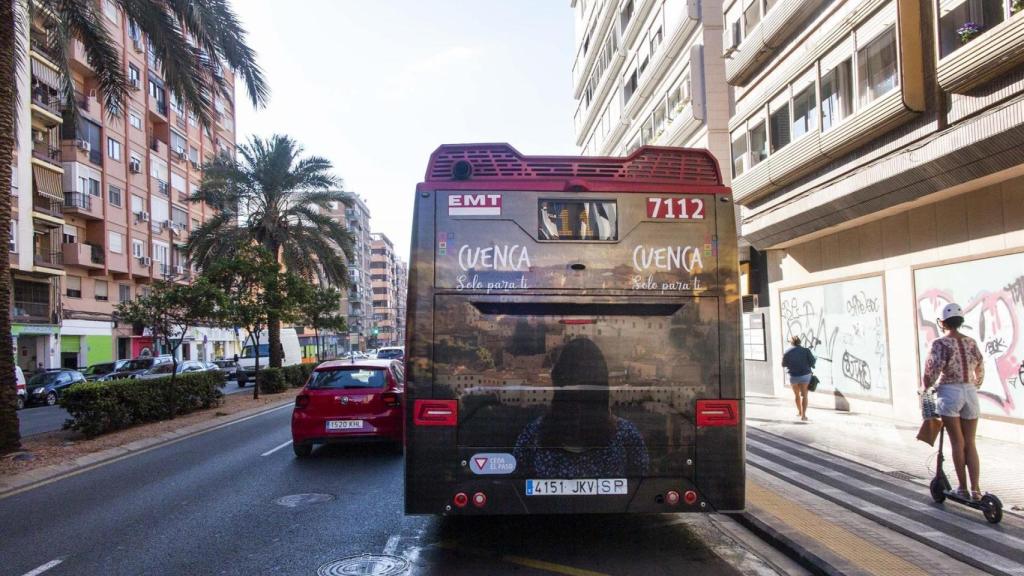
(956, 368)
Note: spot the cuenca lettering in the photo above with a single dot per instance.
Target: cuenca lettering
(668, 258)
(514, 258)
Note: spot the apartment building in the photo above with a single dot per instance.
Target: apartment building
(358, 306)
(649, 72)
(401, 297)
(101, 208)
(385, 276)
(877, 151)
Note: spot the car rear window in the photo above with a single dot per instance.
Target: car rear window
(348, 378)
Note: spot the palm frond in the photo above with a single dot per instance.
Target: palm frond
(81, 19)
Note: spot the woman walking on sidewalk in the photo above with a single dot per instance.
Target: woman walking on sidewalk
(956, 368)
(799, 362)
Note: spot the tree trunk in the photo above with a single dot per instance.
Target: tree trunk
(10, 439)
(274, 339)
(256, 366)
(316, 336)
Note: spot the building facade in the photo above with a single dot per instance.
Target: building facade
(358, 306)
(101, 209)
(386, 273)
(877, 151)
(649, 72)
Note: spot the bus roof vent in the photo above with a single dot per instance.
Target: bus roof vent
(502, 161)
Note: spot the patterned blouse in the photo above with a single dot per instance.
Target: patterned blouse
(625, 455)
(954, 360)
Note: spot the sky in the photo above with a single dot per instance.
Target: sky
(376, 85)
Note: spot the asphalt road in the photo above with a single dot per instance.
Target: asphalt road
(211, 504)
(40, 419)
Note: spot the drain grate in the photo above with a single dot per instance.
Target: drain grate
(903, 475)
(365, 565)
(296, 500)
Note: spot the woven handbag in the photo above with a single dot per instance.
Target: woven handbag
(929, 410)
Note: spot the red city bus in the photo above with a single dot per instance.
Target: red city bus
(573, 338)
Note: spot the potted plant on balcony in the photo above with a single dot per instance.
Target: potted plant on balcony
(1016, 6)
(968, 31)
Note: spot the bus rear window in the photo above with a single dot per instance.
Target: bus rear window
(577, 220)
(347, 379)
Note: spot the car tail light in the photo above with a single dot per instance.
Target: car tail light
(690, 497)
(718, 413)
(391, 399)
(461, 500)
(301, 401)
(435, 412)
(672, 497)
(479, 499)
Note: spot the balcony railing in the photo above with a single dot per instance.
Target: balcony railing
(31, 309)
(47, 205)
(161, 187)
(78, 200)
(46, 152)
(48, 258)
(41, 46)
(44, 98)
(98, 254)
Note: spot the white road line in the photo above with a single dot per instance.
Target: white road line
(43, 568)
(272, 450)
(392, 545)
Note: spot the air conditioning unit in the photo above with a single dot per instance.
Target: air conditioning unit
(195, 165)
(135, 167)
(748, 302)
(83, 145)
(167, 224)
(734, 36)
(143, 216)
(137, 44)
(134, 84)
(146, 261)
(180, 154)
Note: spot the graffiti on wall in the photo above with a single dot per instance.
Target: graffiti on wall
(991, 292)
(843, 324)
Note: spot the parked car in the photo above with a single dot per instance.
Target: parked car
(19, 383)
(97, 371)
(231, 370)
(47, 387)
(133, 368)
(346, 400)
(165, 369)
(391, 353)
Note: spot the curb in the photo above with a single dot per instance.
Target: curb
(25, 481)
(791, 548)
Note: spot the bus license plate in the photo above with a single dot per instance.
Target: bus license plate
(577, 487)
(344, 424)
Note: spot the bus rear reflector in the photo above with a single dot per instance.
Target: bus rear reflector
(718, 413)
(435, 412)
(577, 321)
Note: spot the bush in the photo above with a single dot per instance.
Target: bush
(297, 374)
(271, 380)
(100, 407)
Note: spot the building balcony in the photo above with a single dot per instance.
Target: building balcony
(142, 267)
(48, 207)
(84, 255)
(783, 20)
(84, 205)
(78, 59)
(46, 106)
(29, 312)
(44, 258)
(987, 56)
(47, 152)
(117, 264)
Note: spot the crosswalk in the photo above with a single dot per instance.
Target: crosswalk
(898, 505)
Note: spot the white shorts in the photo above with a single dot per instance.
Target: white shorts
(957, 400)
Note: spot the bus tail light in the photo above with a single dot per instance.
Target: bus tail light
(672, 497)
(690, 497)
(718, 413)
(391, 399)
(479, 499)
(460, 500)
(301, 401)
(435, 413)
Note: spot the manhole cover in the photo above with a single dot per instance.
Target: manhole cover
(365, 565)
(902, 475)
(294, 500)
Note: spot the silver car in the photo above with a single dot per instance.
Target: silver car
(161, 370)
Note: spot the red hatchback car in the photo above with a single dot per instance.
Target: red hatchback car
(345, 401)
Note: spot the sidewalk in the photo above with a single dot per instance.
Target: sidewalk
(888, 446)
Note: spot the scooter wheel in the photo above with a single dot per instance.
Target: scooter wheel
(992, 508)
(938, 490)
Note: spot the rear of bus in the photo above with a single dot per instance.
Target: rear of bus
(573, 335)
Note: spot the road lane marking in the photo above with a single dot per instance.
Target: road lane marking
(520, 560)
(59, 477)
(43, 568)
(392, 545)
(272, 450)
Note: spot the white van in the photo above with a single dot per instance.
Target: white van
(247, 360)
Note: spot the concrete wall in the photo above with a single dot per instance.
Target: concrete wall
(983, 223)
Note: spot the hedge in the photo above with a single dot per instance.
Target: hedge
(297, 374)
(274, 380)
(100, 407)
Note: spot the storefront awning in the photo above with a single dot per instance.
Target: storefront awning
(47, 183)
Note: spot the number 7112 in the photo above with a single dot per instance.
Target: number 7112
(675, 208)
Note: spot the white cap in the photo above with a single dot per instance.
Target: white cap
(951, 311)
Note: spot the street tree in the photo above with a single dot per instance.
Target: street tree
(273, 197)
(253, 289)
(319, 307)
(194, 40)
(170, 311)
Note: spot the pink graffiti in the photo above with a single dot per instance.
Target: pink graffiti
(997, 321)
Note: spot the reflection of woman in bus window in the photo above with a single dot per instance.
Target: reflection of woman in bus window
(579, 437)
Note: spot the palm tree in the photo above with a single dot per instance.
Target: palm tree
(273, 197)
(194, 41)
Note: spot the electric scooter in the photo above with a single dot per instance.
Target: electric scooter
(940, 488)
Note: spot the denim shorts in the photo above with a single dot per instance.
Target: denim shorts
(954, 400)
(805, 379)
